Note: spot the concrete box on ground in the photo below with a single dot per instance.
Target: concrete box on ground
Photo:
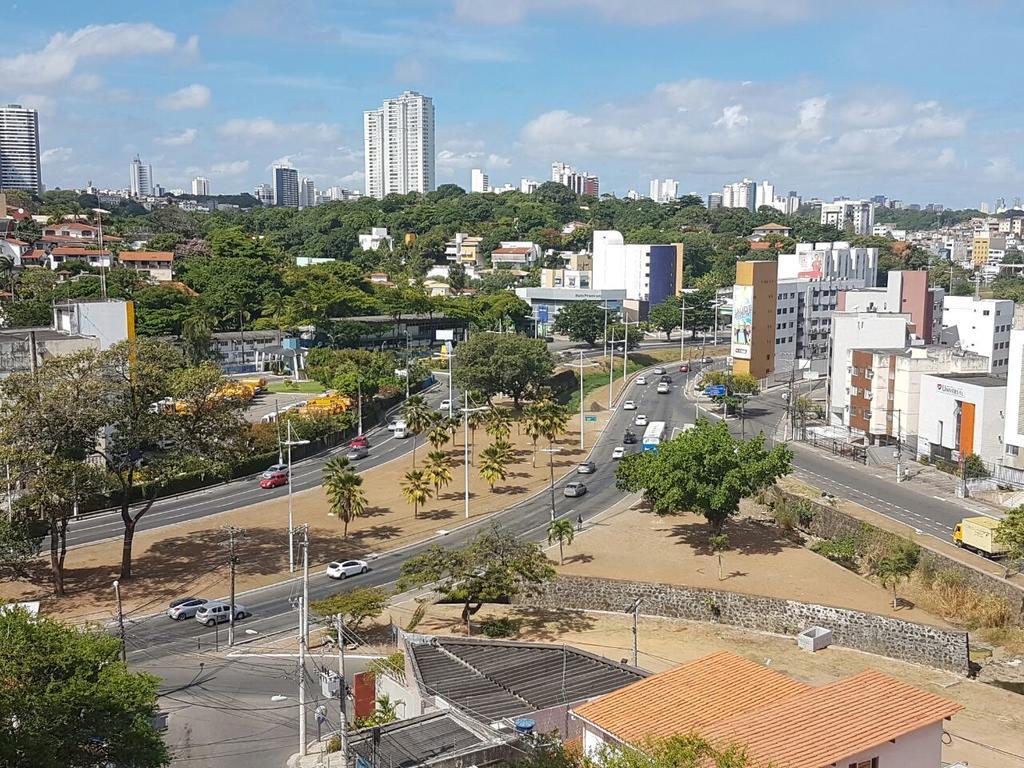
(814, 639)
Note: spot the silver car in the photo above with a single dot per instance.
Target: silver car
(574, 489)
(185, 607)
(216, 612)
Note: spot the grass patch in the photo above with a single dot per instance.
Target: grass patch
(305, 387)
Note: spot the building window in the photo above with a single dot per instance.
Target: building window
(872, 763)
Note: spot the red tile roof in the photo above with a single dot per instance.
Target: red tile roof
(517, 251)
(15, 241)
(146, 256)
(69, 251)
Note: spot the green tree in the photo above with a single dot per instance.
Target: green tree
(666, 316)
(385, 711)
(355, 606)
(581, 321)
(417, 416)
(700, 314)
(508, 364)
(562, 532)
(705, 470)
(69, 701)
(498, 423)
(344, 491)
(416, 489)
(492, 466)
(719, 543)
(495, 565)
(1010, 534)
(438, 470)
(896, 568)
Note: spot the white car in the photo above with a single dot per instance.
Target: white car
(445, 405)
(344, 568)
(640, 420)
(618, 452)
(629, 405)
(641, 379)
(392, 424)
(659, 371)
(663, 388)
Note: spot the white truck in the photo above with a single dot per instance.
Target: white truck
(978, 534)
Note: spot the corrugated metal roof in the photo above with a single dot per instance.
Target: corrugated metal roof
(416, 741)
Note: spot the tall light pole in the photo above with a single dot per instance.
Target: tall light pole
(682, 327)
(580, 366)
(611, 370)
(359, 399)
(291, 532)
(99, 235)
(551, 471)
(466, 410)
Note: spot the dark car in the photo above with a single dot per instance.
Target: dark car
(666, 379)
(629, 438)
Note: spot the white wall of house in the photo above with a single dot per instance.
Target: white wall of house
(920, 749)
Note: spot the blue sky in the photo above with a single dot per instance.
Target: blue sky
(915, 100)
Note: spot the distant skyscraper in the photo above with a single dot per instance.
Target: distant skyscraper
(856, 216)
(200, 187)
(528, 186)
(765, 194)
(479, 181)
(264, 193)
(398, 144)
(307, 193)
(19, 149)
(140, 179)
(286, 187)
(580, 182)
(664, 191)
(740, 194)
(714, 200)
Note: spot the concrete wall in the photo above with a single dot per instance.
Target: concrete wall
(882, 635)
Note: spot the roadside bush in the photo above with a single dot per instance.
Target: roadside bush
(503, 627)
(333, 745)
(874, 545)
(842, 551)
(962, 604)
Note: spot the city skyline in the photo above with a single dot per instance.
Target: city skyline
(198, 98)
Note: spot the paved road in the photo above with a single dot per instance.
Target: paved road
(272, 607)
(222, 498)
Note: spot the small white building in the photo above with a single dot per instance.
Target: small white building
(378, 236)
(157, 265)
(860, 329)
(982, 326)
(961, 414)
(520, 254)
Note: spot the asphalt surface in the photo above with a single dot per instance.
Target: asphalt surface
(272, 608)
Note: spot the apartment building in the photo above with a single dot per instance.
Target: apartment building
(862, 330)
(905, 292)
(649, 273)
(398, 144)
(981, 326)
(855, 216)
(19, 149)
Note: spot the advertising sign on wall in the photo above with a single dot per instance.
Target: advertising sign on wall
(811, 265)
(742, 320)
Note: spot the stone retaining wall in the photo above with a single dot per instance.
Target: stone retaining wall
(895, 638)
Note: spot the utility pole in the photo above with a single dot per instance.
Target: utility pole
(120, 621)
(611, 369)
(899, 446)
(304, 619)
(465, 448)
(277, 423)
(232, 532)
(682, 327)
(291, 525)
(359, 406)
(343, 721)
(302, 680)
(635, 610)
(451, 390)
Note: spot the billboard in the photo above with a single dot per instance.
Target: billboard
(811, 265)
(742, 320)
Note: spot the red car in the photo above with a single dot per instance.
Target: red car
(359, 441)
(684, 368)
(274, 480)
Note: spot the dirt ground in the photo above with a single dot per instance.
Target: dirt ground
(190, 557)
(988, 733)
(674, 550)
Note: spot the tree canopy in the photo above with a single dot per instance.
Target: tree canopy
(496, 363)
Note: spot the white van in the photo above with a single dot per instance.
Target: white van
(400, 431)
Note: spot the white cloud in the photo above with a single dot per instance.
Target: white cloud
(263, 129)
(45, 105)
(812, 112)
(58, 59)
(56, 155)
(732, 117)
(232, 168)
(639, 12)
(193, 96)
(182, 139)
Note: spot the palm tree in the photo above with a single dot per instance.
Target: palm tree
(554, 420)
(474, 421)
(492, 468)
(438, 469)
(7, 269)
(416, 489)
(344, 491)
(892, 570)
(504, 450)
(533, 425)
(417, 415)
(499, 423)
(197, 333)
(562, 532)
(453, 425)
(438, 436)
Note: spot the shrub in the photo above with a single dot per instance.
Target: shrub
(333, 745)
(842, 551)
(959, 602)
(504, 627)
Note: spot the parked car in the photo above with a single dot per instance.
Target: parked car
(185, 607)
(618, 452)
(629, 405)
(359, 441)
(629, 438)
(641, 379)
(586, 468)
(663, 388)
(275, 480)
(360, 452)
(684, 368)
(574, 489)
(216, 612)
(658, 371)
(445, 405)
(640, 420)
(274, 468)
(344, 568)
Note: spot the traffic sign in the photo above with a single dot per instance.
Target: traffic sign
(715, 390)
(590, 418)
(542, 313)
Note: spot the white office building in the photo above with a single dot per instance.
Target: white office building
(982, 326)
(479, 181)
(528, 186)
(860, 330)
(140, 178)
(398, 144)
(307, 193)
(264, 193)
(19, 149)
(664, 190)
(855, 216)
(740, 194)
(649, 273)
(200, 187)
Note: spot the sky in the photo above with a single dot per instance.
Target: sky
(913, 99)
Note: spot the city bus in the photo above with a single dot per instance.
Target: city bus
(653, 434)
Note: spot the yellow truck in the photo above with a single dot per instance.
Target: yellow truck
(978, 534)
(257, 383)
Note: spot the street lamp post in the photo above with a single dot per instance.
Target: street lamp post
(682, 328)
(551, 471)
(466, 410)
(580, 366)
(359, 403)
(291, 533)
